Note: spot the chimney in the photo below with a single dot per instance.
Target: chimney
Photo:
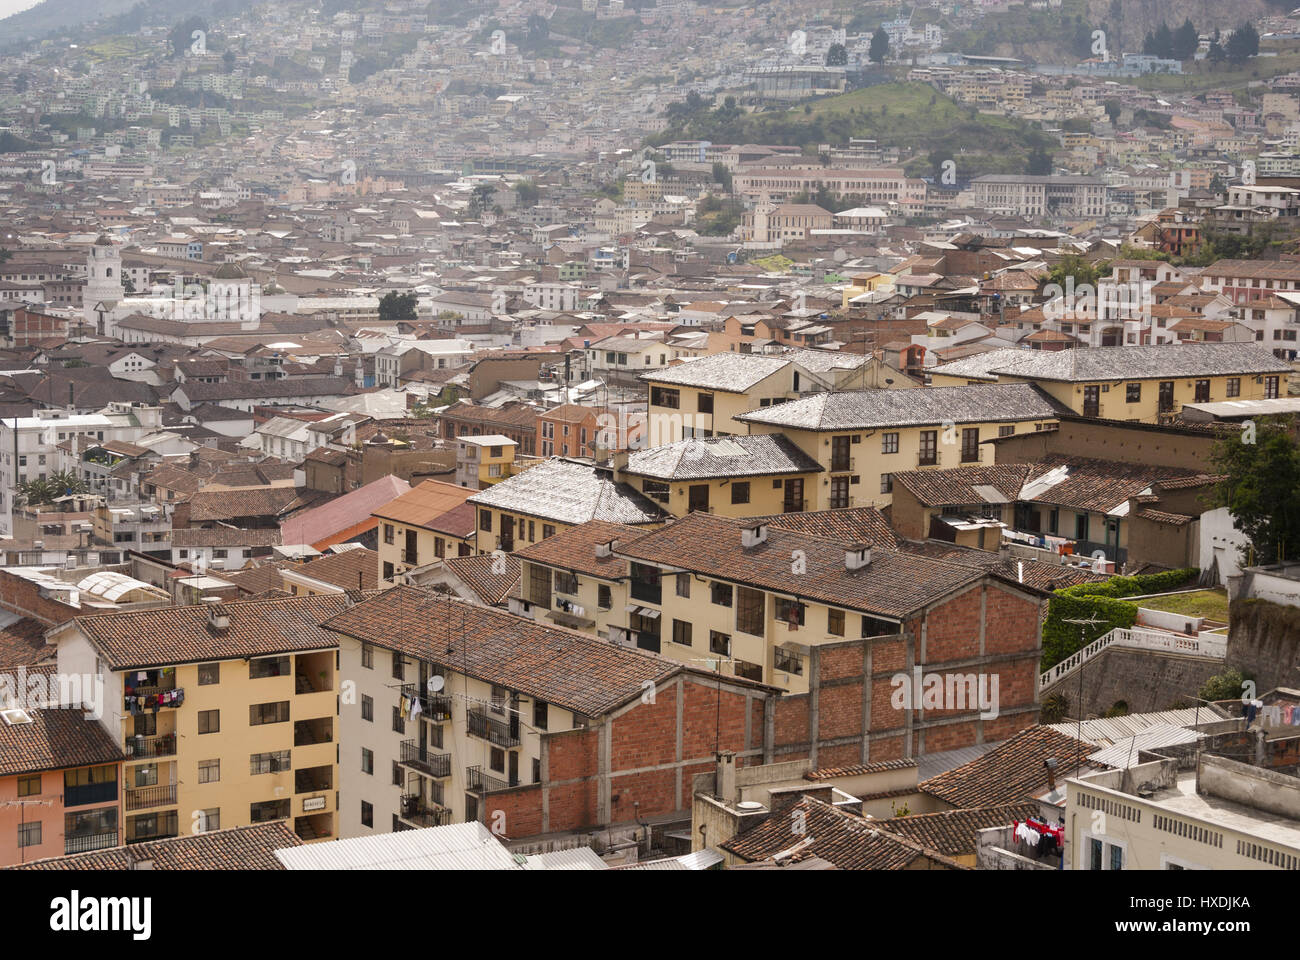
(751, 536)
(218, 615)
(857, 556)
(620, 462)
(606, 549)
(338, 366)
(724, 783)
(1050, 764)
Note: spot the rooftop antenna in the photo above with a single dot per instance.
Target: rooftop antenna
(1083, 625)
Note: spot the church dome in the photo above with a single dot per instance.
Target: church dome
(229, 271)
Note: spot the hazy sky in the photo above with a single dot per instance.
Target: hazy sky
(9, 7)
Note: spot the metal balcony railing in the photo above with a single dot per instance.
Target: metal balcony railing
(494, 731)
(146, 797)
(424, 759)
(89, 841)
(433, 706)
(481, 782)
(141, 747)
(422, 812)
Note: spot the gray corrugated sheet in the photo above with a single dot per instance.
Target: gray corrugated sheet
(1125, 753)
(459, 846)
(1110, 730)
(699, 860)
(932, 764)
(580, 858)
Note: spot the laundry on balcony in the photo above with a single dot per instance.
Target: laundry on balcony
(154, 701)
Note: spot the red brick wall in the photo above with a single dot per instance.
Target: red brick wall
(23, 597)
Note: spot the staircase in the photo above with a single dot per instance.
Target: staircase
(1211, 646)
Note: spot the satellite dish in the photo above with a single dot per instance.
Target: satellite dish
(435, 683)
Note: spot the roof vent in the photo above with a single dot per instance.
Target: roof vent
(753, 535)
(13, 716)
(606, 549)
(857, 556)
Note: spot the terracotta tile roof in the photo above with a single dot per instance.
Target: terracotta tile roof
(208, 505)
(476, 573)
(22, 642)
(225, 537)
(953, 831)
(893, 585)
(422, 505)
(569, 669)
(240, 848)
(955, 486)
(148, 638)
(857, 769)
(844, 839)
(1160, 516)
(356, 569)
(459, 521)
(253, 580)
(1097, 485)
(55, 739)
(847, 524)
(1012, 771)
(575, 549)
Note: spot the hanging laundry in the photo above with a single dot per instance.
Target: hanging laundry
(416, 709)
(1272, 715)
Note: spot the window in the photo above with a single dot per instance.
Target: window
(603, 599)
(664, 397)
(1133, 393)
(539, 585)
(719, 643)
(388, 570)
(485, 521)
(929, 447)
(889, 443)
(1202, 391)
(704, 403)
(1116, 858)
(29, 786)
(740, 492)
(497, 759)
(209, 673)
(1007, 430)
(209, 721)
(367, 814)
(275, 762)
(646, 583)
(367, 708)
(684, 585)
(751, 610)
(29, 834)
(835, 622)
(399, 667)
(367, 761)
(397, 774)
(548, 530)
(541, 714)
(839, 492)
(565, 582)
(872, 627)
(682, 632)
(399, 721)
(209, 820)
(1234, 386)
(268, 667)
(209, 771)
(970, 444)
(367, 656)
(1270, 388)
(720, 593)
(263, 713)
(886, 483)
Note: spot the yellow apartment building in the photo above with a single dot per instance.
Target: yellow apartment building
(484, 460)
(861, 284)
(1141, 383)
(861, 439)
(741, 476)
(429, 522)
(704, 397)
(227, 712)
(553, 496)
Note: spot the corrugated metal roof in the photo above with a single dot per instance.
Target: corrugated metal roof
(699, 860)
(458, 846)
(1125, 753)
(1110, 730)
(579, 858)
(932, 764)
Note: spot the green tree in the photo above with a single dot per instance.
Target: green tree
(66, 483)
(1040, 163)
(481, 199)
(1229, 685)
(1113, 110)
(527, 193)
(1072, 265)
(1243, 44)
(397, 306)
(837, 55)
(1261, 487)
(879, 48)
(723, 176)
(1186, 40)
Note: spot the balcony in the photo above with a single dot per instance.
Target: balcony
(139, 748)
(425, 760)
(432, 706)
(479, 782)
(90, 841)
(420, 812)
(843, 464)
(152, 699)
(143, 798)
(88, 793)
(494, 731)
(161, 826)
